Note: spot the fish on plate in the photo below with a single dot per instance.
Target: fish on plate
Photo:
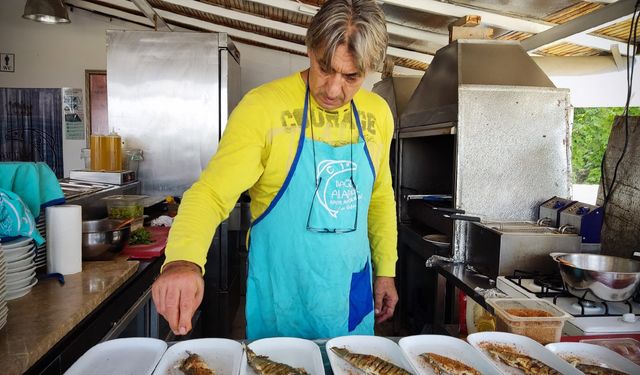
(510, 356)
(262, 365)
(369, 364)
(443, 365)
(195, 365)
(589, 368)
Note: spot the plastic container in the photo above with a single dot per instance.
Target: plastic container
(534, 318)
(126, 207)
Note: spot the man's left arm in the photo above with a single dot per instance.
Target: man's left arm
(383, 232)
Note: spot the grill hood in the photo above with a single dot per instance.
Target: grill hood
(468, 62)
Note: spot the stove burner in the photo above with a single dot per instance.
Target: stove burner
(587, 308)
(549, 283)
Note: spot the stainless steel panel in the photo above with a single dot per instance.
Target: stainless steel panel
(164, 99)
(230, 85)
(523, 247)
(397, 91)
(513, 152)
(477, 62)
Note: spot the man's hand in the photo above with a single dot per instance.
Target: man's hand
(177, 294)
(385, 297)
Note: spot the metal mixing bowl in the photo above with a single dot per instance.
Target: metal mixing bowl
(605, 277)
(100, 239)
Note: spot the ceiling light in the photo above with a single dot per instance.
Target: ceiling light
(46, 11)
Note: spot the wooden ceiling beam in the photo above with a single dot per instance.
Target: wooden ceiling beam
(599, 18)
(503, 21)
(148, 11)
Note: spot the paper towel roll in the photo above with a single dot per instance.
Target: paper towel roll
(64, 239)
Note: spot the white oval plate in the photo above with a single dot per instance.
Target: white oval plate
(594, 355)
(134, 355)
(413, 346)
(295, 352)
(27, 255)
(523, 344)
(18, 242)
(221, 355)
(19, 267)
(374, 345)
(13, 294)
(17, 254)
(13, 277)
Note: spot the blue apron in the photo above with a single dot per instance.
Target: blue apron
(309, 255)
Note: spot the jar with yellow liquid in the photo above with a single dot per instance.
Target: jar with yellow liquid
(478, 318)
(106, 152)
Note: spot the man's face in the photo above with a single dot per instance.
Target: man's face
(336, 87)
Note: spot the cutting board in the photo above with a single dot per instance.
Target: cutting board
(152, 250)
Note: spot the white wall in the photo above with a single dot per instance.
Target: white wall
(51, 56)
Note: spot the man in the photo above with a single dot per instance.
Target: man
(313, 151)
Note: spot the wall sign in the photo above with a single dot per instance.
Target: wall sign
(73, 113)
(7, 62)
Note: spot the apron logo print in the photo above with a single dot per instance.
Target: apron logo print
(336, 193)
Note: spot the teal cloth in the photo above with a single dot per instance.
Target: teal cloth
(35, 183)
(16, 219)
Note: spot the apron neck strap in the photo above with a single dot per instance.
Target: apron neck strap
(305, 114)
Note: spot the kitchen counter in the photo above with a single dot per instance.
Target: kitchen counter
(39, 320)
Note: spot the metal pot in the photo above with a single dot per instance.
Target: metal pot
(103, 239)
(605, 277)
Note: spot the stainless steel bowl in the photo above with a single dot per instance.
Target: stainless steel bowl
(100, 239)
(605, 277)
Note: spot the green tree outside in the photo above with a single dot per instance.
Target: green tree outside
(591, 128)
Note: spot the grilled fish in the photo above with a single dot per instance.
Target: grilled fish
(447, 366)
(264, 366)
(597, 370)
(591, 369)
(195, 365)
(512, 358)
(369, 364)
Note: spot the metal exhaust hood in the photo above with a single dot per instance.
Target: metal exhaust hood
(468, 62)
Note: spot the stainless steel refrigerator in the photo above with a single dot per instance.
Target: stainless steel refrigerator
(170, 94)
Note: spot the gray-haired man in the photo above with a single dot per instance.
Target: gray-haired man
(313, 151)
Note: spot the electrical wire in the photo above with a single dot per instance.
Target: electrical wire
(632, 43)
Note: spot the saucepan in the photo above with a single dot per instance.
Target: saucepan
(607, 278)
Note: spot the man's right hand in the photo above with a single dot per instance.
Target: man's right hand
(177, 294)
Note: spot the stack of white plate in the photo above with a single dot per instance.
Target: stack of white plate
(21, 269)
(41, 251)
(3, 289)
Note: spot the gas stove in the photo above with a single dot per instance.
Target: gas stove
(589, 317)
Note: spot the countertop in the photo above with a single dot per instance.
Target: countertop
(38, 321)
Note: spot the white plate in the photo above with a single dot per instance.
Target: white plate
(221, 355)
(525, 345)
(19, 267)
(129, 356)
(16, 243)
(298, 353)
(21, 275)
(17, 254)
(374, 345)
(437, 239)
(413, 346)
(13, 294)
(594, 355)
(20, 282)
(27, 255)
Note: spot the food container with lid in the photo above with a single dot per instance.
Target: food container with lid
(536, 318)
(126, 207)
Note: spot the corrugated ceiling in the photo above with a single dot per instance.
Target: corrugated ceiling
(412, 27)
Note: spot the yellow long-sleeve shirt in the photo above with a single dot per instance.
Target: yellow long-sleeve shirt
(256, 153)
